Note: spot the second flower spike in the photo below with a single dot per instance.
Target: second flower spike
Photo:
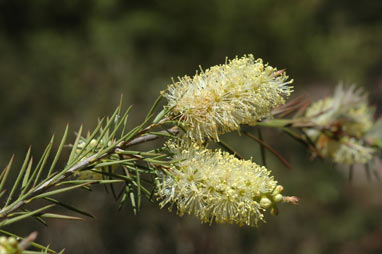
(216, 186)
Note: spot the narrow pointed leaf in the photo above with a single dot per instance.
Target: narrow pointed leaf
(5, 173)
(119, 162)
(132, 200)
(69, 207)
(55, 192)
(19, 176)
(151, 111)
(21, 217)
(107, 128)
(90, 138)
(60, 216)
(124, 197)
(26, 177)
(41, 164)
(75, 145)
(118, 125)
(139, 192)
(59, 150)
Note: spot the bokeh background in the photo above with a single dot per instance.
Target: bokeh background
(69, 61)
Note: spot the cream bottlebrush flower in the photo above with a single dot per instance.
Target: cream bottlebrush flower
(241, 91)
(342, 122)
(214, 185)
(9, 245)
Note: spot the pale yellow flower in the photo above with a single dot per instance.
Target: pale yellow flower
(216, 186)
(9, 245)
(221, 98)
(342, 122)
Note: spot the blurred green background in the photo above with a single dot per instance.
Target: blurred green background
(69, 61)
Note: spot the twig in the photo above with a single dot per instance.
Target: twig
(151, 137)
(82, 165)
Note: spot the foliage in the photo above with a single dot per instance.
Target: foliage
(209, 184)
(70, 61)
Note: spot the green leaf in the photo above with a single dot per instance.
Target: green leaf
(26, 177)
(139, 188)
(69, 207)
(118, 162)
(118, 125)
(124, 197)
(41, 164)
(26, 215)
(59, 150)
(60, 216)
(107, 127)
(4, 174)
(132, 200)
(105, 181)
(19, 176)
(75, 145)
(151, 111)
(89, 139)
(55, 192)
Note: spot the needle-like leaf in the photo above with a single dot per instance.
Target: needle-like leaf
(41, 164)
(58, 191)
(19, 176)
(69, 207)
(26, 215)
(4, 174)
(60, 216)
(59, 150)
(75, 146)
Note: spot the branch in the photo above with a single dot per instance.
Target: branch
(85, 164)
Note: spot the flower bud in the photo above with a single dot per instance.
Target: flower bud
(265, 202)
(277, 190)
(274, 211)
(3, 240)
(278, 198)
(12, 241)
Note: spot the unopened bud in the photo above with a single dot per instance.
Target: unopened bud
(278, 198)
(277, 190)
(274, 211)
(3, 240)
(93, 143)
(12, 241)
(265, 202)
